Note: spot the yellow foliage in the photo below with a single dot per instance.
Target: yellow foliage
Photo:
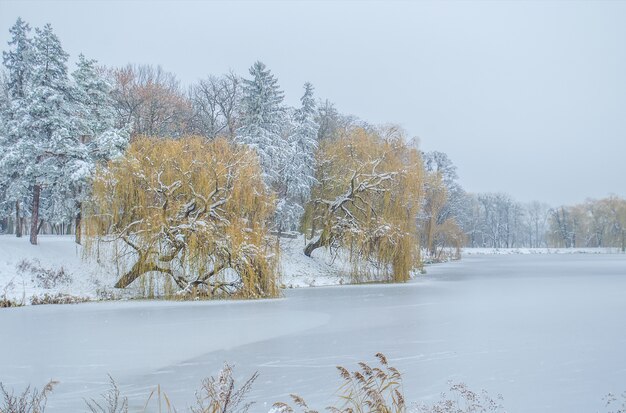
(189, 208)
(367, 201)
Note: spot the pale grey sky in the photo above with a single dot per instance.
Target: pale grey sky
(527, 98)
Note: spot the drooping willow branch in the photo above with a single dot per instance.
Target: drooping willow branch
(192, 210)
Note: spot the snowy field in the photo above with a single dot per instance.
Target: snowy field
(548, 332)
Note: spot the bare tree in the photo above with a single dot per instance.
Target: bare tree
(151, 101)
(216, 105)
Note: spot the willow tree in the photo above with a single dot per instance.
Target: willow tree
(439, 229)
(192, 210)
(366, 202)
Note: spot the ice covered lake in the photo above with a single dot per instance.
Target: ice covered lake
(548, 332)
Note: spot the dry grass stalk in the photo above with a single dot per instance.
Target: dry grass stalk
(365, 390)
(112, 402)
(220, 395)
(30, 400)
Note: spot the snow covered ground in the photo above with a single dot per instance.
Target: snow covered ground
(546, 331)
(56, 266)
(322, 268)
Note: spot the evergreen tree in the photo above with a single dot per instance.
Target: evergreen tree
(304, 144)
(299, 173)
(49, 141)
(98, 137)
(263, 120)
(18, 62)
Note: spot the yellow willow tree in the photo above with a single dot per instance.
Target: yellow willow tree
(192, 210)
(366, 202)
(439, 230)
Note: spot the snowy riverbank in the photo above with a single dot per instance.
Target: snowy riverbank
(525, 251)
(56, 266)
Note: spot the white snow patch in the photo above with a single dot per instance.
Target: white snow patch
(322, 268)
(92, 279)
(54, 254)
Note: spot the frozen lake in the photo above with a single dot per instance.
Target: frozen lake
(548, 332)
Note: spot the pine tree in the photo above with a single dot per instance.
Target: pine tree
(263, 121)
(299, 173)
(93, 107)
(48, 144)
(18, 61)
(304, 144)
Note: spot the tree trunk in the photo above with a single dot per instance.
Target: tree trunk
(142, 266)
(18, 220)
(34, 221)
(314, 244)
(134, 273)
(78, 222)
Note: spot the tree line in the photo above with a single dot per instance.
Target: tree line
(192, 182)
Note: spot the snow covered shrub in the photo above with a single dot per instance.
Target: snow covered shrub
(220, 395)
(462, 400)
(5, 301)
(58, 298)
(367, 201)
(43, 277)
(29, 401)
(375, 389)
(188, 209)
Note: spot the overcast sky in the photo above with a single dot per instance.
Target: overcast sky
(527, 98)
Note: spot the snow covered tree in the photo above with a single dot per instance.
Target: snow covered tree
(216, 104)
(536, 216)
(18, 62)
(97, 132)
(594, 223)
(55, 129)
(501, 220)
(366, 201)
(151, 101)
(50, 139)
(562, 227)
(443, 205)
(298, 177)
(191, 210)
(333, 124)
(6, 207)
(263, 120)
